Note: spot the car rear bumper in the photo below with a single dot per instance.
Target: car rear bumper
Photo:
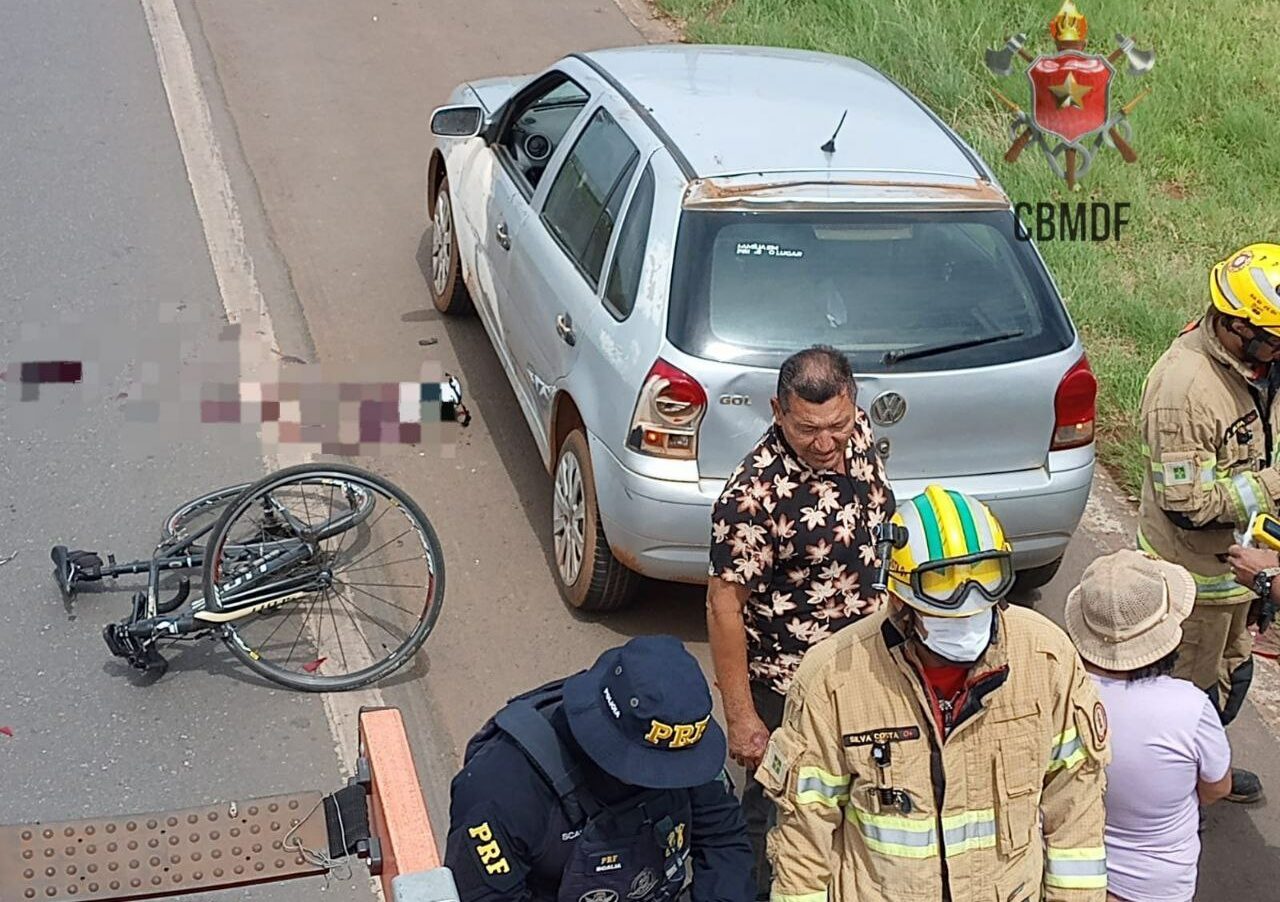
(1039, 509)
(662, 528)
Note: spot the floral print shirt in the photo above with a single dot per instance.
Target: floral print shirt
(801, 540)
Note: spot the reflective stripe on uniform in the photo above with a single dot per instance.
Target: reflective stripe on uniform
(1209, 588)
(1068, 751)
(1206, 474)
(898, 836)
(1247, 494)
(814, 786)
(1076, 868)
(820, 896)
(972, 830)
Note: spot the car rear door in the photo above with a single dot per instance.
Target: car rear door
(557, 264)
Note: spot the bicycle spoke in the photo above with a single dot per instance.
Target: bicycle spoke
(386, 585)
(383, 545)
(305, 509)
(408, 560)
(292, 608)
(337, 634)
(347, 606)
(301, 630)
(376, 598)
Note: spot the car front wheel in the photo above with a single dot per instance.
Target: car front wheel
(590, 578)
(448, 290)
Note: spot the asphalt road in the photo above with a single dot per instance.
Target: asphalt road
(102, 259)
(322, 110)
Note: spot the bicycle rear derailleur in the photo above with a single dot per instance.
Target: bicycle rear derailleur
(124, 640)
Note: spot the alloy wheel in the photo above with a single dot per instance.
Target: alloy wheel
(441, 243)
(569, 519)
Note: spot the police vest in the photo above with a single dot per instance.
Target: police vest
(633, 853)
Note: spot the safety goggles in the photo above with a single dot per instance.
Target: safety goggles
(946, 583)
(1262, 335)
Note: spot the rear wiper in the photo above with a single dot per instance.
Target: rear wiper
(900, 354)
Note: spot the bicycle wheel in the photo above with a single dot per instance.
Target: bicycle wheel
(361, 595)
(201, 512)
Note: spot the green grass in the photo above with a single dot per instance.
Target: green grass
(1206, 182)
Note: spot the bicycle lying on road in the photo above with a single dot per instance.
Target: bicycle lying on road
(287, 558)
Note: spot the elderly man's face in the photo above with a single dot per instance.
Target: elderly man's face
(818, 432)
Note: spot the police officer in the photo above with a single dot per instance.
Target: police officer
(601, 788)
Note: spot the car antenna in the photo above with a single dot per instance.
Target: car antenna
(830, 146)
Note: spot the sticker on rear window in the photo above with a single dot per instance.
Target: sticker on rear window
(756, 249)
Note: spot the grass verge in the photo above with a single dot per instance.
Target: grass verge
(1206, 182)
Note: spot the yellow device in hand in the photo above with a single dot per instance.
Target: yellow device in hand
(1263, 532)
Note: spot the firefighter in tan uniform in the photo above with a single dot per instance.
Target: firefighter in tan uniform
(1209, 420)
(943, 749)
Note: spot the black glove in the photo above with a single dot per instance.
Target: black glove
(1263, 613)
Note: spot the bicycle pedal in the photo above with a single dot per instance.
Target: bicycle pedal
(116, 640)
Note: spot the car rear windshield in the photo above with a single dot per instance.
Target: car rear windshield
(753, 287)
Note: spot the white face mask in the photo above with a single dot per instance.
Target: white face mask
(958, 639)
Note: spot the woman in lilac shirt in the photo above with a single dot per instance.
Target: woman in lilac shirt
(1169, 750)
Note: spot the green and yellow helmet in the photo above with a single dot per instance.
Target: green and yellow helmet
(956, 561)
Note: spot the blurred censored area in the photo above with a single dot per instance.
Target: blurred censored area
(339, 417)
(178, 381)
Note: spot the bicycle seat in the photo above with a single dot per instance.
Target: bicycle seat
(71, 567)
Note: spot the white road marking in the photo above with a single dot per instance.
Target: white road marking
(238, 286)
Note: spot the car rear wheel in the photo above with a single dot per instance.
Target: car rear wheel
(590, 578)
(448, 290)
(1033, 578)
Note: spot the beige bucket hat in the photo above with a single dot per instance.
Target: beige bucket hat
(1128, 610)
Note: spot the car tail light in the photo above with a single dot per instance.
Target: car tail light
(668, 412)
(1074, 407)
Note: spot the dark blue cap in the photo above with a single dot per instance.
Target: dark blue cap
(643, 714)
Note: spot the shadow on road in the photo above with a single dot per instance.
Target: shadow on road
(1236, 860)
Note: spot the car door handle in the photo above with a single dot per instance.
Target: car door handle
(504, 237)
(564, 327)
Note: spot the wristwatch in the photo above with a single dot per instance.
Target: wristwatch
(1262, 582)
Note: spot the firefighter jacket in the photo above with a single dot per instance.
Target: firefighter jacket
(1207, 430)
(875, 806)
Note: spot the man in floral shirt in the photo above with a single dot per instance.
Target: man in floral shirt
(792, 556)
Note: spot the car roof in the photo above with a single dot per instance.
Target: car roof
(731, 110)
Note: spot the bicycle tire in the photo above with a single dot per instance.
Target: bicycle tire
(401, 655)
(172, 523)
(171, 527)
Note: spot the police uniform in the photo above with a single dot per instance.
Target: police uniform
(535, 814)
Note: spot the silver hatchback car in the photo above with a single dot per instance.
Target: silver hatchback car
(647, 233)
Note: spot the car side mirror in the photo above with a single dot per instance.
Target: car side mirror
(457, 121)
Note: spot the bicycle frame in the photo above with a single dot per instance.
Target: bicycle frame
(254, 590)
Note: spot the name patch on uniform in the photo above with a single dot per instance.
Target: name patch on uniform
(606, 862)
(884, 734)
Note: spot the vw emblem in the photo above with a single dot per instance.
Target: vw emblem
(889, 408)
